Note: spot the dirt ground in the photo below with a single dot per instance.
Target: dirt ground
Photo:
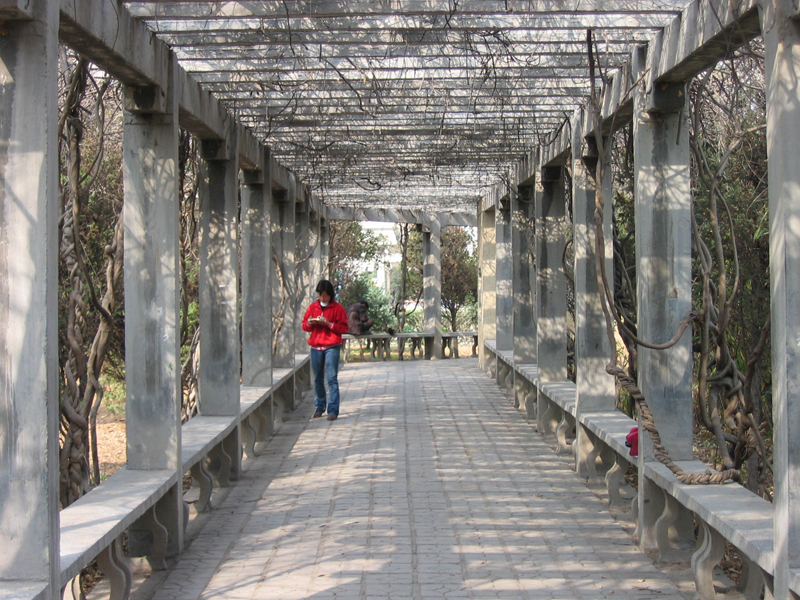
(110, 442)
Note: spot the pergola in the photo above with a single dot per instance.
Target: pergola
(435, 112)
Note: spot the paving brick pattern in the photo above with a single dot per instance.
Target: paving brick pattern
(430, 485)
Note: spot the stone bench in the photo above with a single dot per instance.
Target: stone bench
(724, 513)
(450, 343)
(379, 345)
(91, 527)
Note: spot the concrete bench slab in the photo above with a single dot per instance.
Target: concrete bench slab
(563, 393)
(200, 434)
(93, 522)
(740, 516)
(611, 427)
(250, 397)
(22, 590)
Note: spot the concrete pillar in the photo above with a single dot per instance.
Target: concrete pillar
(664, 269)
(283, 274)
(432, 284)
(782, 43)
(504, 292)
(256, 284)
(218, 385)
(152, 302)
(316, 265)
(524, 276)
(551, 299)
(324, 250)
(595, 387)
(29, 407)
(487, 302)
(303, 273)
(551, 296)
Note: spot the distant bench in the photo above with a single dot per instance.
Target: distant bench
(421, 344)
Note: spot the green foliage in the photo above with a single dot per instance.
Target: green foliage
(380, 305)
(459, 272)
(349, 247)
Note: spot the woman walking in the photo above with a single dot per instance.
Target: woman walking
(327, 321)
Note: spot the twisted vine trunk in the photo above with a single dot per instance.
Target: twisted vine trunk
(84, 352)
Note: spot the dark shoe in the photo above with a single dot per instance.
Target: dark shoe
(332, 417)
(317, 415)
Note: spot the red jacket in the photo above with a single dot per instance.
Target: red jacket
(323, 335)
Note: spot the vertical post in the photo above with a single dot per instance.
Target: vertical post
(324, 250)
(551, 303)
(152, 299)
(595, 388)
(782, 41)
(524, 278)
(303, 274)
(283, 275)
(432, 284)
(551, 296)
(218, 384)
(504, 274)
(256, 284)
(663, 268)
(29, 411)
(487, 301)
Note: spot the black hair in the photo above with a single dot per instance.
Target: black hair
(364, 302)
(327, 287)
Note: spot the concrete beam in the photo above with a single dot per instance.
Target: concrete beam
(393, 215)
(128, 50)
(16, 10)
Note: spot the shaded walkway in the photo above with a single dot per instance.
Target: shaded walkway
(429, 485)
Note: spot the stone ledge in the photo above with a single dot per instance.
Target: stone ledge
(94, 521)
(23, 590)
(200, 434)
(737, 514)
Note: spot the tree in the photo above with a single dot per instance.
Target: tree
(406, 283)
(349, 247)
(459, 272)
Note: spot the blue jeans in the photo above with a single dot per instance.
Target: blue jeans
(320, 361)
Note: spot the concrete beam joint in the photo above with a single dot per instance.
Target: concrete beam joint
(551, 174)
(666, 97)
(15, 10)
(145, 100)
(214, 150)
(253, 177)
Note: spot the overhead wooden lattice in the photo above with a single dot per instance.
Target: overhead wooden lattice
(412, 103)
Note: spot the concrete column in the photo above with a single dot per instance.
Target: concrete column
(782, 43)
(664, 272)
(219, 279)
(432, 284)
(487, 301)
(303, 273)
(551, 297)
(29, 407)
(324, 250)
(152, 302)
(595, 388)
(503, 275)
(256, 284)
(524, 276)
(283, 275)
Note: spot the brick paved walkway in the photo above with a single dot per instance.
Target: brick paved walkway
(430, 485)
